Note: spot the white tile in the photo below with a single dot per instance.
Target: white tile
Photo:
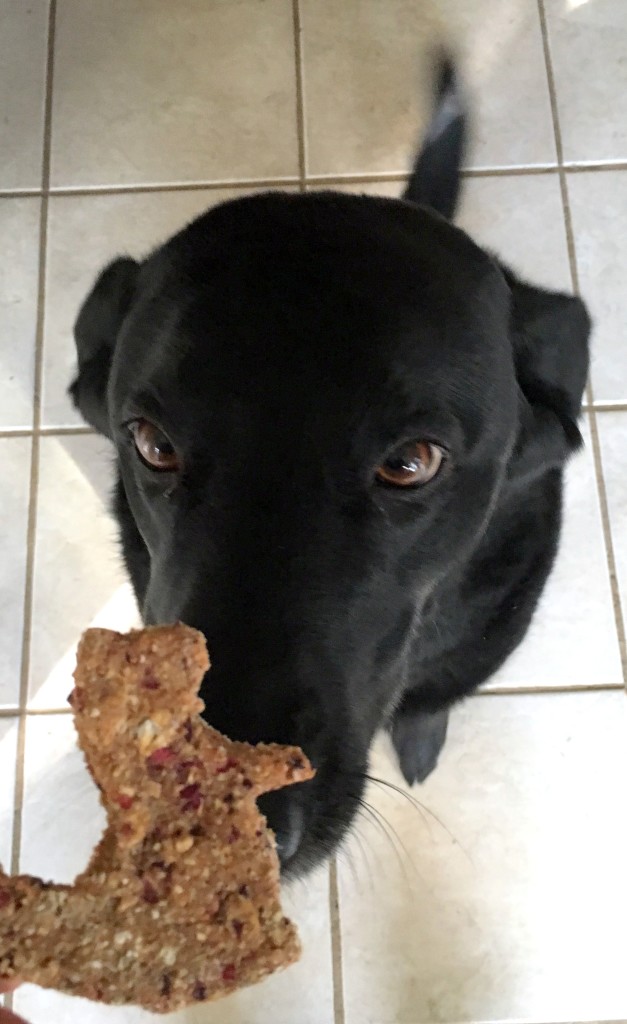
(62, 820)
(19, 231)
(128, 223)
(612, 428)
(79, 577)
(15, 455)
(23, 46)
(520, 219)
(587, 41)
(506, 897)
(163, 92)
(572, 640)
(8, 748)
(367, 88)
(598, 204)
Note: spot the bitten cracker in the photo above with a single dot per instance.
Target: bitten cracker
(180, 901)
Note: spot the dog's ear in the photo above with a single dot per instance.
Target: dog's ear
(435, 177)
(95, 333)
(550, 332)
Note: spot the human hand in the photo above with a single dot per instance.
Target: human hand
(7, 1016)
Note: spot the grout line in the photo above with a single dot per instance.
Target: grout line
(336, 945)
(34, 473)
(46, 431)
(512, 171)
(591, 412)
(300, 94)
(16, 712)
(182, 186)
(527, 690)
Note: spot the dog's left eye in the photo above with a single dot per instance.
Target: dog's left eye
(411, 465)
(154, 447)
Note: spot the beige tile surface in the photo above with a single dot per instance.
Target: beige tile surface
(587, 41)
(572, 640)
(512, 905)
(151, 91)
(8, 746)
(127, 223)
(52, 847)
(19, 231)
(366, 80)
(520, 219)
(23, 50)
(79, 580)
(598, 205)
(15, 455)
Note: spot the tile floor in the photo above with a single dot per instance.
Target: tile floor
(503, 895)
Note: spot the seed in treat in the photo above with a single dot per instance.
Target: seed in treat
(244, 891)
(166, 983)
(247, 784)
(188, 730)
(228, 972)
(199, 991)
(229, 763)
(234, 835)
(161, 756)
(295, 762)
(184, 844)
(197, 830)
(238, 928)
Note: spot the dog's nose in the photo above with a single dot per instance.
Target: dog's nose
(286, 818)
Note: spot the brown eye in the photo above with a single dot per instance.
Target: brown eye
(154, 447)
(414, 463)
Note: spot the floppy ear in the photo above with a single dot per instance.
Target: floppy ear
(550, 338)
(95, 333)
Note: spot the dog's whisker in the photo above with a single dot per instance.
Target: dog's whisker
(422, 809)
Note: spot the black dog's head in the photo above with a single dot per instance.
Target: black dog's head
(317, 402)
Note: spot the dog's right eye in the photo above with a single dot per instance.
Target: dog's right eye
(154, 447)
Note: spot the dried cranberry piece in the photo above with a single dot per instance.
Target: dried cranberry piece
(187, 727)
(149, 893)
(5, 898)
(228, 972)
(229, 763)
(188, 792)
(124, 801)
(199, 991)
(258, 833)
(166, 985)
(234, 835)
(150, 683)
(247, 784)
(161, 756)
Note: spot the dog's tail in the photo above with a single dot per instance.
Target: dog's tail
(435, 178)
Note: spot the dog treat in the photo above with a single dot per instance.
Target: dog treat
(180, 901)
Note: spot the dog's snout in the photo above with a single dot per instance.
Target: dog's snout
(286, 818)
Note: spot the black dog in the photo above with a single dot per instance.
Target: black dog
(340, 430)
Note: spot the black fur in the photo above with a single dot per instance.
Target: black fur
(286, 344)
